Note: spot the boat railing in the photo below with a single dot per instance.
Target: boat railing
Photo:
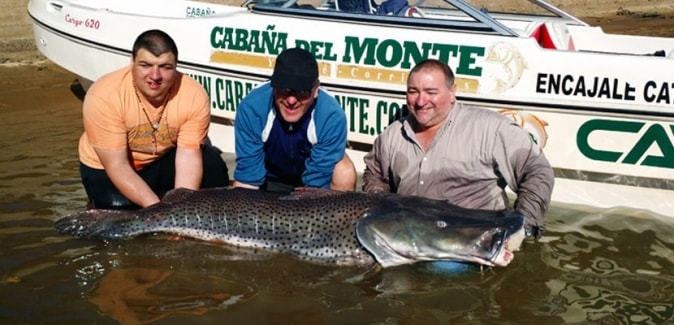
(557, 11)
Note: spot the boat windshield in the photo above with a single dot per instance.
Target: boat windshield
(508, 7)
(482, 16)
(519, 7)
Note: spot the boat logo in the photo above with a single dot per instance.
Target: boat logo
(503, 68)
(530, 122)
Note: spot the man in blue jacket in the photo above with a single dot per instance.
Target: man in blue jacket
(290, 133)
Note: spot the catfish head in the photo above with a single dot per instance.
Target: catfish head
(406, 230)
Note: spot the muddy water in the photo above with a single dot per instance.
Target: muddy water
(593, 266)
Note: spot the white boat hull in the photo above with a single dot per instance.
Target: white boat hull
(608, 151)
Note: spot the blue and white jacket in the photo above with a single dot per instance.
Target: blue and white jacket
(299, 154)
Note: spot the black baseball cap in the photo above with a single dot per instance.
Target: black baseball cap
(295, 69)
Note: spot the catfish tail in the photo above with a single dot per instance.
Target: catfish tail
(94, 223)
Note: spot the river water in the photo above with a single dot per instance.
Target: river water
(593, 266)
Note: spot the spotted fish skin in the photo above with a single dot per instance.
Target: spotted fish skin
(314, 225)
(324, 226)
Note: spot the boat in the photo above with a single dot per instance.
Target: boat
(600, 105)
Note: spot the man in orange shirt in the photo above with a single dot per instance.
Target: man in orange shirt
(145, 129)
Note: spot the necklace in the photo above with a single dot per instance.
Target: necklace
(154, 125)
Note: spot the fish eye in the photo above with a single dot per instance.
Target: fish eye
(441, 224)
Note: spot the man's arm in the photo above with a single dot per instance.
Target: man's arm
(250, 171)
(534, 190)
(529, 173)
(128, 182)
(192, 133)
(330, 148)
(189, 168)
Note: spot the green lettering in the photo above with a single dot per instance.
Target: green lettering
(274, 42)
(363, 104)
(443, 52)
(603, 125)
(359, 53)
(204, 81)
(240, 42)
(657, 135)
(467, 58)
(228, 38)
(219, 88)
(413, 54)
(329, 56)
(254, 42)
(216, 37)
(302, 44)
(230, 104)
(389, 53)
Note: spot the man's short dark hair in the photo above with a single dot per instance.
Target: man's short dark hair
(435, 64)
(156, 42)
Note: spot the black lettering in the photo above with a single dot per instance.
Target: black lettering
(541, 83)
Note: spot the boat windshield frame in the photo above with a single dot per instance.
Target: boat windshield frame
(460, 14)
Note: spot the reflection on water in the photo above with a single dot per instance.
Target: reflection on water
(593, 266)
(616, 268)
(142, 295)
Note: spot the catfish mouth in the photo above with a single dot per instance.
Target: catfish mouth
(514, 241)
(505, 244)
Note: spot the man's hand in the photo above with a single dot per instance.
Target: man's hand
(244, 185)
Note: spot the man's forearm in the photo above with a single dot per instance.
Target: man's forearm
(189, 168)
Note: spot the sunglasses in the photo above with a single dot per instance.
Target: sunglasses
(299, 94)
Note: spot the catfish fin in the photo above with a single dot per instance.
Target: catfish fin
(90, 223)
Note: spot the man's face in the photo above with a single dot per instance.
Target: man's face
(154, 76)
(293, 104)
(429, 98)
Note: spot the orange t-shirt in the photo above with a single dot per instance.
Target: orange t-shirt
(114, 119)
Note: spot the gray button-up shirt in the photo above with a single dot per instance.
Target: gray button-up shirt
(473, 157)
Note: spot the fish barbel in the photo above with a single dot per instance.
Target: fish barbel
(324, 226)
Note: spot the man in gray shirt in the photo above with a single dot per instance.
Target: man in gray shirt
(462, 154)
